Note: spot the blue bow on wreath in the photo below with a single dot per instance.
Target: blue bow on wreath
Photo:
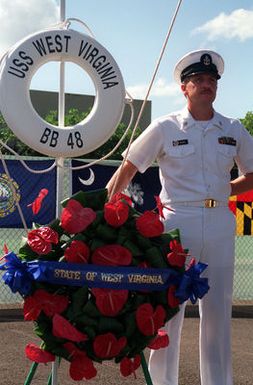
(192, 286)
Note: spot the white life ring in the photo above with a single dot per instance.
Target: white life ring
(17, 70)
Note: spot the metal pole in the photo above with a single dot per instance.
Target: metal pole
(61, 115)
(60, 161)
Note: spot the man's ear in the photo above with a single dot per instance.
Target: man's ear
(183, 89)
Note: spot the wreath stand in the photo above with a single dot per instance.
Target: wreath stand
(34, 367)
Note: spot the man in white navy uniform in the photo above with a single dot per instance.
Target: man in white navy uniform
(196, 149)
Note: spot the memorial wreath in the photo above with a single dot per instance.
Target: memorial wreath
(100, 282)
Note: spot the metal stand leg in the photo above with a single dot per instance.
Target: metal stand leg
(145, 370)
(31, 374)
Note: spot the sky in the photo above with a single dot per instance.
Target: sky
(134, 31)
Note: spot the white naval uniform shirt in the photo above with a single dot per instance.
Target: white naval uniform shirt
(194, 162)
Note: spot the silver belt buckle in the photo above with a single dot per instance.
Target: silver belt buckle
(210, 203)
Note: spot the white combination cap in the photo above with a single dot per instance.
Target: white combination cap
(196, 62)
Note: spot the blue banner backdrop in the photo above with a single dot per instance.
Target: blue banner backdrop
(142, 189)
(25, 187)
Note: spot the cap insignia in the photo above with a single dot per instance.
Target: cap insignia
(206, 59)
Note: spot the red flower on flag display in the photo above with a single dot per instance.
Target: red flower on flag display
(149, 224)
(36, 354)
(110, 302)
(112, 255)
(75, 218)
(77, 252)
(36, 204)
(160, 341)
(40, 240)
(108, 346)
(130, 365)
(91, 315)
(177, 256)
(150, 320)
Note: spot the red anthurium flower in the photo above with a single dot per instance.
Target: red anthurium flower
(119, 196)
(5, 249)
(116, 213)
(107, 345)
(112, 255)
(36, 354)
(31, 309)
(144, 264)
(73, 349)
(40, 240)
(63, 329)
(51, 303)
(82, 367)
(110, 302)
(129, 365)
(149, 224)
(48, 234)
(150, 320)
(177, 256)
(173, 301)
(75, 218)
(42, 300)
(36, 204)
(161, 206)
(77, 252)
(160, 341)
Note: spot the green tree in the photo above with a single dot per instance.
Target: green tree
(9, 138)
(72, 117)
(248, 122)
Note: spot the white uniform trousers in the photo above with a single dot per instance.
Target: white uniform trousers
(209, 235)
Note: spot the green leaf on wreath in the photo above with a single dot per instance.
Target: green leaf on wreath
(94, 199)
(78, 300)
(85, 320)
(135, 250)
(56, 349)
(130, 325)
(155, 258)
(107, 324)
(91, 310)
(106, 233)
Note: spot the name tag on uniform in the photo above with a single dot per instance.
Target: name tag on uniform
(227, 140)
(180, 142)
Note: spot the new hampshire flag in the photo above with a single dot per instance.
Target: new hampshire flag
(24, 186)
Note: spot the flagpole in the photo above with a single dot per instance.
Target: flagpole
(60, 160)
(61, 115)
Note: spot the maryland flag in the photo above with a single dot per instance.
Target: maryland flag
(242, 206)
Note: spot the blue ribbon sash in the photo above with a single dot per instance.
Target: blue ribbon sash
(19, 276)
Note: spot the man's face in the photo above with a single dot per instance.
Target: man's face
(200, 88)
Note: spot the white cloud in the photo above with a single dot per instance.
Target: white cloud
(237, 24)
(160, 88)
(19, 18)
